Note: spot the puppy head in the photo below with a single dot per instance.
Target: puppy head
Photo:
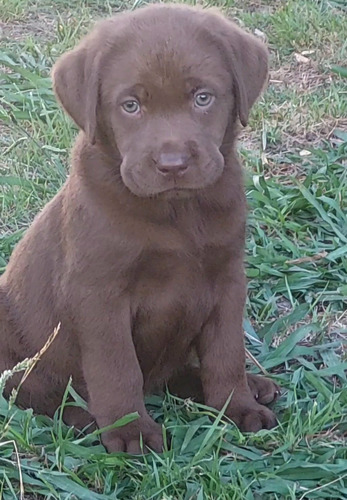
(163, 85)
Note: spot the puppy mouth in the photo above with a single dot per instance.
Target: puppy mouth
(177, 192)
(143, 189)
(171, 188)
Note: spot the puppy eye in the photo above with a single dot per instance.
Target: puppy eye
(203, 99)
(131, 106)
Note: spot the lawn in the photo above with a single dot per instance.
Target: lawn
(295, 157)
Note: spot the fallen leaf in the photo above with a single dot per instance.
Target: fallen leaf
(260, 34)
(301, 59)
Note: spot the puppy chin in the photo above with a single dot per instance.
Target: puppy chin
(178, 194)
(139, 188)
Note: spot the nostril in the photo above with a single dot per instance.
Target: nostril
(172, 170)
(172, 163)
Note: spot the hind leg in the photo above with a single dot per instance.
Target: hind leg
(75, 416)
(187, 384)
(44, 395)
(36, 392)
(41, 391)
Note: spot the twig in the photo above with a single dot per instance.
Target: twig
(257, 364)
(312, 258)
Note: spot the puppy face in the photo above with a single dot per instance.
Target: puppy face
(163, 86)
(168, 113)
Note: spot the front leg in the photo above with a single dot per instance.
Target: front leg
(222, 357)
(113, 376)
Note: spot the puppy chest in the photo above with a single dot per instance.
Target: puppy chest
(170, 305)
(164, 329)
(169, 285)
(166, 301)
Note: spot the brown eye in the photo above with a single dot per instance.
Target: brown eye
(203, 99)
(131, 106)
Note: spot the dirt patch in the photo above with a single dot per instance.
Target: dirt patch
(34, 26)
(303, 76)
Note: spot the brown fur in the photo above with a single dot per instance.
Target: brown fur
(140, 254)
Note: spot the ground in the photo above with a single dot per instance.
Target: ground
(295, 156)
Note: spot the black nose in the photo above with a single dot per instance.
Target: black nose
(172, 163)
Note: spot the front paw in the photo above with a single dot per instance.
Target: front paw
(135, 438)
(250, 416)
(264, 390)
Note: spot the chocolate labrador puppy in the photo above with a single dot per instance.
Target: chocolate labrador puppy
(140, 254)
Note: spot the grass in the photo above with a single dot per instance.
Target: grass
(295, 156)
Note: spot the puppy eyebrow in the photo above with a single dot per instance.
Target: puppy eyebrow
(138, 91)
(193, 84)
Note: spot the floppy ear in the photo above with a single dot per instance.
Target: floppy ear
(247, 59)
(76, 85)
(250, 60)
